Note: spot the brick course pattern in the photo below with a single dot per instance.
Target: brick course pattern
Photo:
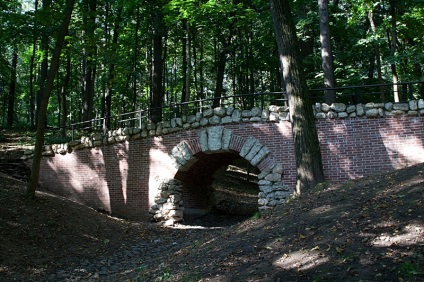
(124, 178)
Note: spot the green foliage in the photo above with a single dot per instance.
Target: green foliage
(257, 215)
(251, 61)
(414, 267)
(166, 275)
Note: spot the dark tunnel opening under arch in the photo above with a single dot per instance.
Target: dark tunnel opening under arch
(219, 189)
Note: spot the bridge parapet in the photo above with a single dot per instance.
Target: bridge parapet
(229, 115)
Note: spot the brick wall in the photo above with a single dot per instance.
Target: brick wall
(124, 178)
(354, 148)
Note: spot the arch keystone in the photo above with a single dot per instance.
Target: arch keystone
(215, 138)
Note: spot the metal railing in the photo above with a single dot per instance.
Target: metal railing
(348, 95)
(133, 119)
(173, 109)
(372, 93)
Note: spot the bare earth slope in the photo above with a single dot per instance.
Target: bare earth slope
(371, 229)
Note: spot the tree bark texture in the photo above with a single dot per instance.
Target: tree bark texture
(326, 52)
(12, 90)
(63, 93)
(111, 76)
(157, 71)
(377, 55)
(90, 62)
(307, 150)
(393, 41)
(42, 113)
(44, 48)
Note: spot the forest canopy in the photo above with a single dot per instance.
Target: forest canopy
(126, 55)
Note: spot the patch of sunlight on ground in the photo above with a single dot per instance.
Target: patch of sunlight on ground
(194, 227)
(322, 209)
(411, 234)
(300, 260)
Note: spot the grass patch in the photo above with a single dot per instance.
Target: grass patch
(257, 215)
(414, 267)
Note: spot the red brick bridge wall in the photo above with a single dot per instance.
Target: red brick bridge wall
(124, 178)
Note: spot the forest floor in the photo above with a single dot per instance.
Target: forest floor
(370, 229)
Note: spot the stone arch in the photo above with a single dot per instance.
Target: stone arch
(218, 139)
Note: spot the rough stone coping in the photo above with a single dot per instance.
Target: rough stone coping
(369, 110)
(230, 115)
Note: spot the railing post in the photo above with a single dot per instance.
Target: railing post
(72, 128)
(357, 96)
(262, 101)
(139, 119)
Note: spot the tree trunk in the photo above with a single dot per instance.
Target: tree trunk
(31, 79)
(419, 74)
(31, 89)
(187, 81)
(135, 61)
(90, 61)
(377, 55)
(184, 39)
(195, 67)
(12, 90)
(62, 96)
(393, 41)
(42, 113)
(186, 67)
(201, 72)
(220, 70)
(326, 52)
(307, 150)
(111, 77)
(157, 71)
(44, 46)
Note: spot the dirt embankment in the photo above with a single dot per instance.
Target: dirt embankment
(370, 229)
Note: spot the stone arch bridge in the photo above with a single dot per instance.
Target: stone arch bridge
(154, 171)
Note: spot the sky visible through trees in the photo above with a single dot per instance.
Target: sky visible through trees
(125, 55)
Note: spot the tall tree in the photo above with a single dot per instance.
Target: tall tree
(89, 58)
(111, 76)
(186, 67)
(307, 150)
(42, 112)
(32, 76)
(377, 54)
(326, 52)
(12, 89)
(44, 63)
(392, 38)
(220, 66)
(157, 67)
(63, 91)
